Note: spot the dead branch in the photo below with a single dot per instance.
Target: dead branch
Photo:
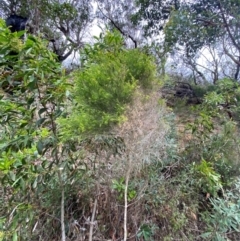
(92, 220)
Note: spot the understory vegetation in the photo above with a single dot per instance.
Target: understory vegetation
(113, 150)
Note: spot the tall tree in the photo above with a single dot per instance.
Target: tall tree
(206, 23)
(119, 15)
(62, 22)
(154, 13)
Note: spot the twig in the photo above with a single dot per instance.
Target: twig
(92, 220)
(62, 217)
(11, 214)
(62, 207)
(126, 203)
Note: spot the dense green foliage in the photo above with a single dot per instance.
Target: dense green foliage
(28, 130)
(225, 215)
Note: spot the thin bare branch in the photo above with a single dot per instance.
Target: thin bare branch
(228, 27)
(126, 201)
(118, 28)
(92, 220)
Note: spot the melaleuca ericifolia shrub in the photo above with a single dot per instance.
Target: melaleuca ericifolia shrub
(105, 84)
